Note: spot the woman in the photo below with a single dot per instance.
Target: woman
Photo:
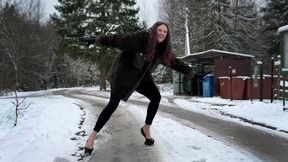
(142, 51)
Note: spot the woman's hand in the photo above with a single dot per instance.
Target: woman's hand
(89, 40)
(189, 76)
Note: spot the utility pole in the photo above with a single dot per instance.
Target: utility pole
(187, 44)
(1, 6)
(235, 18)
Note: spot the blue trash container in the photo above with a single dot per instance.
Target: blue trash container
(208, 85)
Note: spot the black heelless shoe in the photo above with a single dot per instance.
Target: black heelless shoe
(88, 151)
(148, 141)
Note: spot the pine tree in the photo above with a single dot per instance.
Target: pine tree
(78, 18)
(217, 27)
(276, 15)
(230, 25)
(247, 27)
(172, 12)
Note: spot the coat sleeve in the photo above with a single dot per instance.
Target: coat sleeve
(179, 66)
(128, 41)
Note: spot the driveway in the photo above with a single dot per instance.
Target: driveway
(124, 144)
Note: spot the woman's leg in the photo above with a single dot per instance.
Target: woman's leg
(107, 112)
(102, 119)
(149, 89)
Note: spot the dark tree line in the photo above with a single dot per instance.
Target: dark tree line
(30, 57)
(26, 49)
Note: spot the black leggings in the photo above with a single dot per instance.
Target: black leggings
(146, 88)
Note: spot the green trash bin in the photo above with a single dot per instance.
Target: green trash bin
(180, 86)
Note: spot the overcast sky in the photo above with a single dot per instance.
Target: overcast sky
(148, 10)
(49, 7)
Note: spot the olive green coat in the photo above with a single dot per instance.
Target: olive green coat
(131, 67)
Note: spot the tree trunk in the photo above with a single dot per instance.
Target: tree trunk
(103, 73)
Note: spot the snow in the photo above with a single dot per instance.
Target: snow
(191, 145)
(220, 51)
(45, 130)
(39, 130)
(277, 63)
(263, 112)
(283, 29)
(148, 11)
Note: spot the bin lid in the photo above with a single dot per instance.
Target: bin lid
(208, 75)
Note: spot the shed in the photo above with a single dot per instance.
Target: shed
(218, 62)
(283, 36)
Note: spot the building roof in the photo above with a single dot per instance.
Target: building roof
(208, 57)
(283, 29)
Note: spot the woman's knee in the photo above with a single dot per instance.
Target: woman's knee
(112, 105)
(114, 101)
(156, 98)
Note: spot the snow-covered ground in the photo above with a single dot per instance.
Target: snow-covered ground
(46, 130)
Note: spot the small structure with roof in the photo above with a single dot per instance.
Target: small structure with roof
(219, 63)
(232, 72)
(283, 35)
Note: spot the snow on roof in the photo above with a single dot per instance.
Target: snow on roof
(282, 29)
(277, 62)
(219, 51)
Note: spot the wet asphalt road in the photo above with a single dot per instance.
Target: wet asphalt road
(124, 145)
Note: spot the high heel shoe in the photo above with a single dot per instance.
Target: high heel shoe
(88, 151)
(148, 141)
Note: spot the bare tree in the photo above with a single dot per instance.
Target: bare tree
(18, 107)
(33, 8)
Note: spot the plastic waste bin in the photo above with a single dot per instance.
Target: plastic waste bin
(208, 85)
(238, 84)
(179, 85)
(197, 84)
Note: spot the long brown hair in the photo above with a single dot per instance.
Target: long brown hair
(152, 43)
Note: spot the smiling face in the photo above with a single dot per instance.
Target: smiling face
(161, 33)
